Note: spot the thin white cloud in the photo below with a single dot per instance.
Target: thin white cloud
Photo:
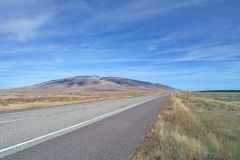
(131, 12)
(25, 28)
(171, 38)
(140, 9)
(152, 47)
(212, 53)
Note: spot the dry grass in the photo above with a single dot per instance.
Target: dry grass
(22, 100)
(198, 128)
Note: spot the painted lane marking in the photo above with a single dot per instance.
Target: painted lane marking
(76, 125)
(20, 119)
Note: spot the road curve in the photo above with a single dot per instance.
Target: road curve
(110, 129)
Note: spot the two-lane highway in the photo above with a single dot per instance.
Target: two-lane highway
(110, 129)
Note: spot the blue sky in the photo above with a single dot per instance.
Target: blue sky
(187, 44)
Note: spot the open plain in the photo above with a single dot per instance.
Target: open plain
(206, 125)
(24, 100)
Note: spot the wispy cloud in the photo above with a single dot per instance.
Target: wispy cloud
(130, 13)
(25, 28)
(22, 19)
(140, 9)
(172, 38)
(212, 53)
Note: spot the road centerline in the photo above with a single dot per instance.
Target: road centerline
(15, 120)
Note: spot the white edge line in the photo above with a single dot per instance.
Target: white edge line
(76, 125)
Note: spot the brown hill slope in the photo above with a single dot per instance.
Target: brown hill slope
(94, 83)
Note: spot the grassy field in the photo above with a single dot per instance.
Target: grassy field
(22, 100)
(204, 126)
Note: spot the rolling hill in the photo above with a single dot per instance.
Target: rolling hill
(95, 83)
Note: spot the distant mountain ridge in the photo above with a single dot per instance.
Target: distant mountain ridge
(95, 83)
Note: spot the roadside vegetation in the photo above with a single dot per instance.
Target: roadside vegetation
(22, 100)
(205, 126)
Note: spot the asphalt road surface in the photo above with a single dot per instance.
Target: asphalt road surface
(110, 129)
